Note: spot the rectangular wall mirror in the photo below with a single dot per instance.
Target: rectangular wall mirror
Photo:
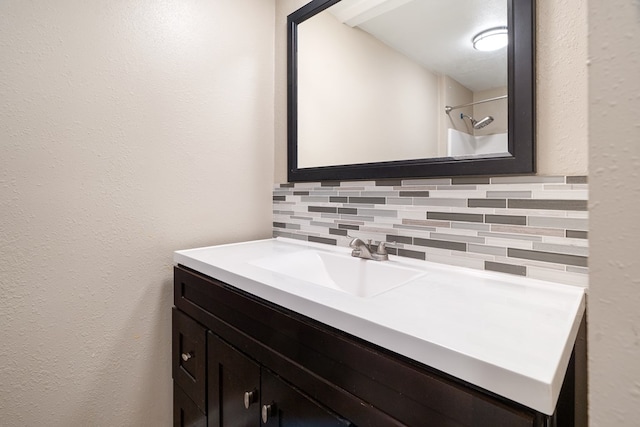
(410, 88)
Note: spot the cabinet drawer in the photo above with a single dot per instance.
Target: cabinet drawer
(190, 358)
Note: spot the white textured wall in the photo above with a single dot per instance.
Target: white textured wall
(561, 82)
(614, 215)
(127, 130)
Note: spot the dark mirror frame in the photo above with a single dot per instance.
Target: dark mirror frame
(521, 110)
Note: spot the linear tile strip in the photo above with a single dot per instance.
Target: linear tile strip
(535, 226)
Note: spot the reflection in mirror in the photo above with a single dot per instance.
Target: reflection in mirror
(408, 88)
(374, 78)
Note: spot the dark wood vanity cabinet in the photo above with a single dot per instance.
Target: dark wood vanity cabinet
(243, 361)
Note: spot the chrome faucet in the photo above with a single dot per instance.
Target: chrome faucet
(365, 250)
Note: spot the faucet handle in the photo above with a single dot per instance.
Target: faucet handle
(382, 249)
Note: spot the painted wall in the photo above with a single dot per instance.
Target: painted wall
(614, 165)
(561, 79)
(128, 130)
(453, 93)
(496, 109)
(376, 105)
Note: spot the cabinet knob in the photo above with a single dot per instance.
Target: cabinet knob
(250, 397)
(267, 411)
(186, 356)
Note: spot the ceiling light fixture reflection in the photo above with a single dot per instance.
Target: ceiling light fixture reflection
(491, 39)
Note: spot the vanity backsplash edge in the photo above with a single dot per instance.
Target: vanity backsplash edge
(534, 226)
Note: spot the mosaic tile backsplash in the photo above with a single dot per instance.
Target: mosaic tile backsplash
(533, 226)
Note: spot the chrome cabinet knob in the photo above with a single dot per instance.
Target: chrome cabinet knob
(186, 356)
(267, 411)
(250, 397)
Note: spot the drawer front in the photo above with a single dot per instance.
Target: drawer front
(190, 358)
(185, 412)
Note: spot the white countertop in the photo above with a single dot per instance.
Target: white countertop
(507, 334)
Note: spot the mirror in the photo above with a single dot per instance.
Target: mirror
(394, 88)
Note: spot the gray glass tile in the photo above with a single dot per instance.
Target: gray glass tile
(505, 219)
(486, 249)
(487, 203)
(338, 199)
(455, 246)
(323, 193)
(413, 227)
(511, 236)
(532, 179)
(347, 211)
(326, 209)
(321, 224)
(509, 194)
(329, 215)
(548, 204)
(357, 206)
(457, 238)
(330, 184)
(559, 222)
(280, 225)
(404, 201)
(426, 222)
(399, 239)
(337, 232)
(349, 227)
(376, 193)
(448, 216)
(579, 261)
(573, 234)
(379, 212)
(324, 240)
(414, 194)
(410, 254)
(527, 230)
(576, 180)
(580, 270)
(470, 180)
(435, 181)
(364, 219)
(457, 188)
(505, 268)
(279, 198)
(369, 200)
(287, 185)
(314, 199)
(300, 193)
(563, 249)
(388, 182)
(435, 201)
(471, 226)
(278, 233)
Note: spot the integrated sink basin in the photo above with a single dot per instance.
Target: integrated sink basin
(341, 272)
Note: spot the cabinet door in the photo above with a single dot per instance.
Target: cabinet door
(185, 412)
(284, 406)
(234, 386)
